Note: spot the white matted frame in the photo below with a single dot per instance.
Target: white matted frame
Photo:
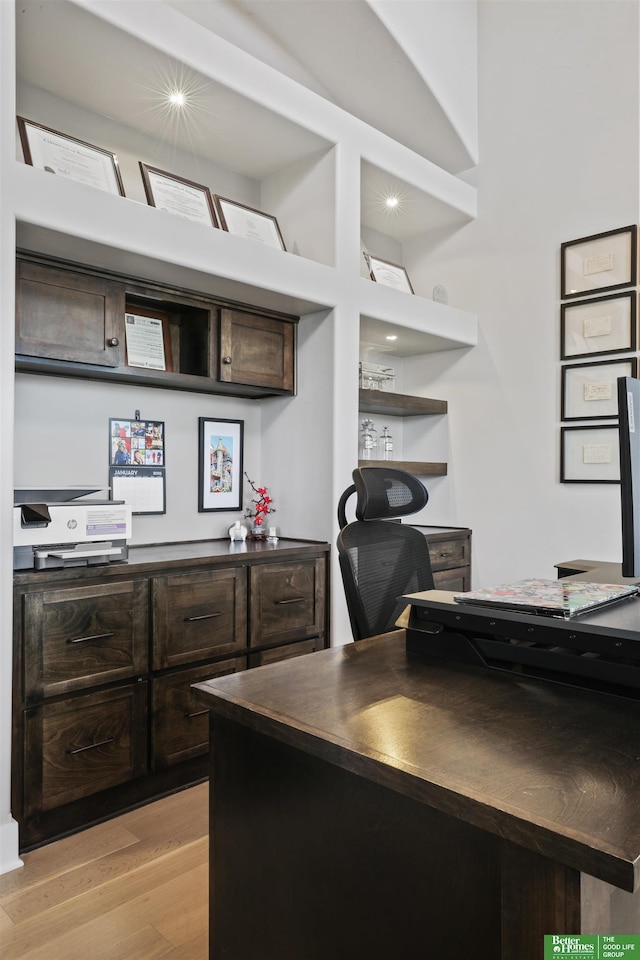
(69, 158)
(590, 390)
(387, 273)
(603, 261)
(590, 454)
(220, 475)
(599, 325)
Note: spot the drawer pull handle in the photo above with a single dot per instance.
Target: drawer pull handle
(96, 636)
(198, 713)
(293, 600)
(91, 746)
(203, 616)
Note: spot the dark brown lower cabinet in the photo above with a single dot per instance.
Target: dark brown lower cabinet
(105, 659)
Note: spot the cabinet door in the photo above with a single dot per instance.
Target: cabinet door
(180, 725)
(67, 316)
(257, 350)
(287, 601)
(82, 636)
(199, 616)
(82, 744)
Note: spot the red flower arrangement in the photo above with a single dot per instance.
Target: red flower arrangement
(262, 507)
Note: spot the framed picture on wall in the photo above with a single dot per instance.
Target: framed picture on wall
(248, 222)
(604, 261)
(599, 325)
(69, 158)
(590, 390)
(220, 464)
(387, 273)
(186, 199)
(589, 454)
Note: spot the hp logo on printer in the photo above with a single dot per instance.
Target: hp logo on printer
(72, 524)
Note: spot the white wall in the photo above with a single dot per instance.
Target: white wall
(558, 118)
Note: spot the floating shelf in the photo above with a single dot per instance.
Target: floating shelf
(400, 404)
(416, 467)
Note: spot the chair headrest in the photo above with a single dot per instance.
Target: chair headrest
(384, 493)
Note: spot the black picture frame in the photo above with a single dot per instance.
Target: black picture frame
(220, 483)
(590, 390)
(599, 467)
(602, 261)
(589, 328)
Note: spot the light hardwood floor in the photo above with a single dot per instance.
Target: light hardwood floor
(133, 888)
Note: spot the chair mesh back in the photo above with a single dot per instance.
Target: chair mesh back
(381, 561)
(384, 493)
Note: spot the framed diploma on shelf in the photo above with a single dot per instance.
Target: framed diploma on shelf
(599, 325)
(69, 158)
(590, 390)
(387, 273)
(589, 455)
(604, 261)
(147, 338)
(249, 223)
(186, 199)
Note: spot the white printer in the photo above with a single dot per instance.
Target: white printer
(57, 527)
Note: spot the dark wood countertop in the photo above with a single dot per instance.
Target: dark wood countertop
(156, 557)
(553, 769)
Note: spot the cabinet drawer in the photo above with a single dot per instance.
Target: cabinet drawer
(457, 580)
(287, 601)
(199, 616)
(84, 744)
(67, 316)
(449, 553)
(286, 652)
(82, 636)
(180, 726)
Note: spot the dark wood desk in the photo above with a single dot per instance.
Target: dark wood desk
(370, 803)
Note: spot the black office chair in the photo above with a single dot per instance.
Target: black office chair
(381, 560)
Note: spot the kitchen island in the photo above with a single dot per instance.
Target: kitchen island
(369, 802)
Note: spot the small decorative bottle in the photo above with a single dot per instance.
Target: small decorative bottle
(368, 440)
(386, 443)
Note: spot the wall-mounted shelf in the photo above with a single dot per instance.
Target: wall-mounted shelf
(400, 404)
(416, 467)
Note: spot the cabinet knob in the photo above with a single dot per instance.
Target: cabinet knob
(226, 359)
(113, 342)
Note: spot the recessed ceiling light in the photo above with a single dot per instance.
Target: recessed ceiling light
(177, 99)
(392, 202)
(391, 337)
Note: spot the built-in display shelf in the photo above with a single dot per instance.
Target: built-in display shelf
(400, 404)
(416, 467)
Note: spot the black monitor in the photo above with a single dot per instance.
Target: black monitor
(629, 414)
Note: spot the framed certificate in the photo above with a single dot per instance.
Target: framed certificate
(389, 274)
(147, 338)
(589, 455)
(604, 261)
(590, 390)
(69, 158)
(250, 223)
(177, 195)
(598, 325)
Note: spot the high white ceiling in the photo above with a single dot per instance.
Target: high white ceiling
(341, 50)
